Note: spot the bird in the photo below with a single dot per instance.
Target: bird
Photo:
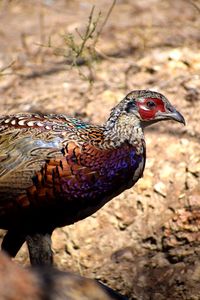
(56, 170)
(48, 283)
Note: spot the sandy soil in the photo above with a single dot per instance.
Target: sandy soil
(146, 242)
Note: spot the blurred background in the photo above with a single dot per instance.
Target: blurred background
(81, 58)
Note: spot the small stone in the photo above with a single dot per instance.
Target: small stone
(192, 95)
(145, 183)
(160, 188)
(166, 172)
(194, 167)
(191, 182)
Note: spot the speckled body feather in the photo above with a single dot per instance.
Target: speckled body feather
(58, 170)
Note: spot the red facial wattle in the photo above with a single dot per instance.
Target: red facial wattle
(147, 113)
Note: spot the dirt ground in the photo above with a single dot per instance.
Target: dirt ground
(146, 242)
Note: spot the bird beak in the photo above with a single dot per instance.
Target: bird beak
(176, 116)
(171, 114)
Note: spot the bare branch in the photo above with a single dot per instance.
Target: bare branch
(104, 22)
(6, 68)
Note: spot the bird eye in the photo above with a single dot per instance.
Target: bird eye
(150, 104)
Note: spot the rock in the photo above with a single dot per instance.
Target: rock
(181, 234)
(194, 166)
(160, 188)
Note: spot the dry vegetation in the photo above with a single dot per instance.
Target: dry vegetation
(146, 242)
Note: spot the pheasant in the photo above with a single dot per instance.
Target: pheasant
(56, 170)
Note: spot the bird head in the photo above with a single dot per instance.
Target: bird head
(148, 107)
(151, 107)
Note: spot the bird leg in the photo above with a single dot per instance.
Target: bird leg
(12, 242)
(39, 246)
